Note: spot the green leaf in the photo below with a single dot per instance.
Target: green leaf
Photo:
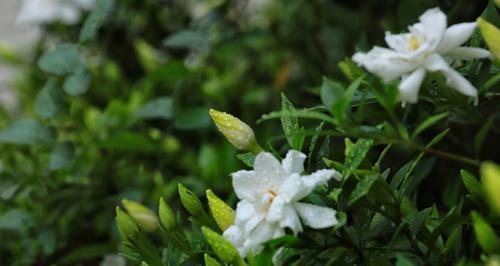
(86, 252)
(294, 134)
(188, 39)
(362, 188)
(49, 102)
(14, 219)
(62, 156)
(129, 141)
(62, 60)
(193, 118)
(247, 158)
(402, 261)
(429, 122)
(77, 83)
(472, 184)
(485, 235)
(27, 131)
(157, 108)
(356, 154)
(437, 138)
(331, 92)
(416, 220)
(96, 19)
(481, 135)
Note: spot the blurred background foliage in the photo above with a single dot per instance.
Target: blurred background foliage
(128, 116)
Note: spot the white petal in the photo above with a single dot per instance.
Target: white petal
(433, 22)
(468, 53)
(293, 162)
(453, 78)
(252, 223)
(386, 64)
(398, 42)
(262, 233)
(455, 36)
(293, 188)
(234, 235)
(244, 210)
(316, 217)
(268, 170)
(246, 184)
(291, 219)
(275, 212)
(410, 85)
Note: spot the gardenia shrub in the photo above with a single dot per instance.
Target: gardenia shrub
(370, 156)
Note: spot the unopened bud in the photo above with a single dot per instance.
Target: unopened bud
(490, 178)
(491, 35)
(222, 213)
(143, 216)
(167, 216)
(222, 247)
(209, 261)
(126, 225)
(190, 201)
(236, 131)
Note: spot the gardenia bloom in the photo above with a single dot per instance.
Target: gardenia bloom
(36, 12)
(269, 201)
(429, 46)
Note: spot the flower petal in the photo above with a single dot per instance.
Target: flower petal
(455, 36)
(296, 187)
(385, 63)
(293, 162)
(246, 184)
(453, 78)
(244, 210)
(433, 21)
(410, 85)
(468, 53)
(316, 217)
(398, 42)
(275, 212)
(291, 219)
(268, 170)
(262, 233)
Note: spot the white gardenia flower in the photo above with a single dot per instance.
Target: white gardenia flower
(37, 12)
(429, 46)
(269, 201)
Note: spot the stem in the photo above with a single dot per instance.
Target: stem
(446, 155)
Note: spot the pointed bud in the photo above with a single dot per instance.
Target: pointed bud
(126, 225)
(485, 235)
(222, 247)
(190, 201)
(143, 216)
(167, 216)
(491, 35)
(490, 179)
(222, 213)
(209, 261)
(236, 132)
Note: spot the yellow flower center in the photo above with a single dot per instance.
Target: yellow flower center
(414, 43)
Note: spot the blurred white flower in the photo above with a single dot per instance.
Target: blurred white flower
(269, 201)
(429, 46)
(36, 12)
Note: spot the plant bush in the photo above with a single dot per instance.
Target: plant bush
(329, 154)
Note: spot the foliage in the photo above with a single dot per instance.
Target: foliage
(117, 107)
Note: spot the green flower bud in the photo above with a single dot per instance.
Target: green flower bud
(126, 225)
(222, 213)
(146, 218)
(485, 235)
(190, 201)
(222, 247)
(236, 132)
(209, 261)
(491, 35)
(167, 216)
(490, 178)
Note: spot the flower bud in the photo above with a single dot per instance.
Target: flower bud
(236, 132)
(190, 201)
(222, 247)
(143, 216)
(209, 261)
(490, 178)
(167, 216)
(491, 35)
(222, 213)
(126, 225)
